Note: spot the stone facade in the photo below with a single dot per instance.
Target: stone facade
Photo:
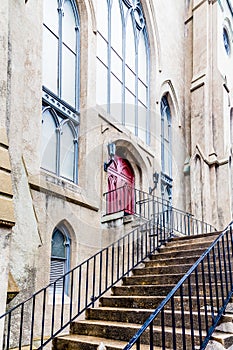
(188, 63)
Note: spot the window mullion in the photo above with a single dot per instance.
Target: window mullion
(136, 89)
(109, 60)
(162, 148)
(75, 161)
(77, 71)
(148, 115)
(60, 14)
(58, 153)
(123, 71)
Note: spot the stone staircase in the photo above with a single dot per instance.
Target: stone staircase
(119, 316)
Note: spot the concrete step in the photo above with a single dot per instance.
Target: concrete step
(82, 342)
(125, 331)
(139, 316)
(146, 290)
(139, 302)
(181, 253)
(171, 261)
(210, 237)
(181, 269)
(169, 248)
(151, 302)
(163, 289)
(152, 279)
(173, 278)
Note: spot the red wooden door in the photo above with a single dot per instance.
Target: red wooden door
(120, 187)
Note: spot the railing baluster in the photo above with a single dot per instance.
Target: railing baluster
(182, 317)
(113, 257)
(79, 288)
(106, 270)
(21, 326)
(142, 240)
(128, 255)
(71, 293)
(8, 332)
(191, 311)
(100, 272)
(93, 281)
(173, 323)
(53, 309)
(220, 271)
(32, 322)
(229, 258)
(225, 264)
(216, 279)
(210, 288)
(123, 256)
(118, 259)
(87, 283)
(204, 296)
(163, 330)
(43, 318)
(198, 306)
(151, 336)
(63, 299)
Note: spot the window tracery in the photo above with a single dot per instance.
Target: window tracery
(123, 62)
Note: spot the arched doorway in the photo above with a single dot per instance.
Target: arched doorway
(121, 182)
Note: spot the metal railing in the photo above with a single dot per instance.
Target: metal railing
(146, 206)
(199, 299)
(49, 311)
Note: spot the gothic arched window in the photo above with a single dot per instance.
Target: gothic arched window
(61, 80)
(123, 64)
(60, 259)
(166, 150)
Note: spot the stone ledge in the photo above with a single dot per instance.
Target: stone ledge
(111, 217)
(39, 183)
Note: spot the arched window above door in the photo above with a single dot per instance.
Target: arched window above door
(123, 61)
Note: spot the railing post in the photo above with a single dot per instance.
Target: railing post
(189, 225)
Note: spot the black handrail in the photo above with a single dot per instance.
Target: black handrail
(146, 206)
(51, 309)
(204, 291)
